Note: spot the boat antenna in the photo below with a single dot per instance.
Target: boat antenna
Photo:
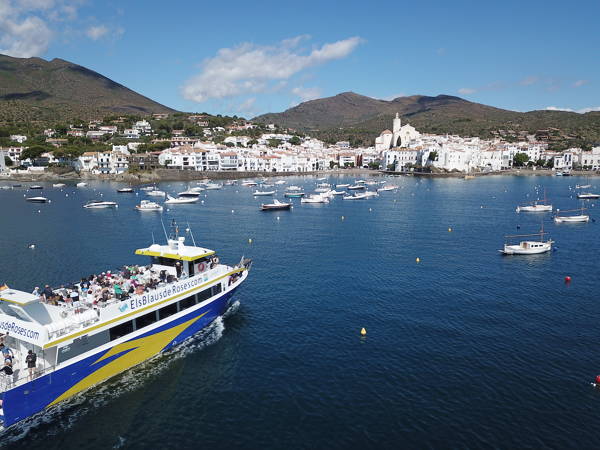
(174, 229)
(191, 234)
(153, 238)
(164, 230)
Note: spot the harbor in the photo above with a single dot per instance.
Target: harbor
(451, 328)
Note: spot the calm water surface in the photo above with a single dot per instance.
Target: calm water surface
(464, 349)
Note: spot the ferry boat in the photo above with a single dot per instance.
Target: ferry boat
(82, 343)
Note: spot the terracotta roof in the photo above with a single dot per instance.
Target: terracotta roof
(386, 132)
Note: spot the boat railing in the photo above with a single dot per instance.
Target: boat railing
(21, 376)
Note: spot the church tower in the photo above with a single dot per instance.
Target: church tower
(396, 129)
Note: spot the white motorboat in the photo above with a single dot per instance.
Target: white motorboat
(529, 246)
(387, 188)
(355, 197)
(314, 199)
(249, 183)
(263, 193)
(36, 186)
(82, 184)
(293, 188)
(265, 185)
(58, 185)
(322, 189)
(337, 192)
(147, 205)
(126, 190)
(588, 196)
(100, 204)
(356, 187)
(212, 186)
(324, 185)
(341, 186)
(147, 188)
(181, 200)
(360, 181)
(280, 182)
(192, 193)
(37, 199)
(369, 194)
(583, 186)
(571, 218)
(276, 205)
(156, 193)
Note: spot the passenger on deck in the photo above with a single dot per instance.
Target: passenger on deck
(7, 353)
(7, 369)
(31, 360)
(36, 292)
(47, 293)
(178, 269)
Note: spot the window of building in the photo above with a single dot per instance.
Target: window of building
(145, 320)
(121, 330)
(167, 311)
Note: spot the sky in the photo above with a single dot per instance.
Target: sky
(248, 58)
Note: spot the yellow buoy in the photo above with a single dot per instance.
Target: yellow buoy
(418, 259)
(249, 241)
(363, 332)
(449, 230)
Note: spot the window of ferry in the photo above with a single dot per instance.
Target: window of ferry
(216, 289)
(187, 303)
(121, 330)
(145, 320)
(167, 311)
(204, 295)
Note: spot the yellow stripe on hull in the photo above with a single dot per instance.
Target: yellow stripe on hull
(137, 351)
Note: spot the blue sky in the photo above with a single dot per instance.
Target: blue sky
(248, 58)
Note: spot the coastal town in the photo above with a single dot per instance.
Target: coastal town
(120, 145)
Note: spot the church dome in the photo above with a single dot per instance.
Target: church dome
(386, 132)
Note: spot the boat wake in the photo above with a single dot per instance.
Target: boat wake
(65, 414)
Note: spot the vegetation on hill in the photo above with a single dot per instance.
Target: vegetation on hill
(359, 119)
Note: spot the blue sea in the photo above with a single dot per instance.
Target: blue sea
(465, 349)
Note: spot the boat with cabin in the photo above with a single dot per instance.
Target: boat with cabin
(36, 186)
(258, 193)
(528, 246)
(294, 194)
(125, 190)
(59, 185)
(181, 200)
(83, 340)
(81, 184)
(588, 196)
(356, 187)
(314, 199)
(561, 217)
(37, 199)
(156, 193)
(355, 197)
(147, 205)
(276, 205)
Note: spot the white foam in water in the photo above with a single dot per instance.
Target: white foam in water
(66, 413)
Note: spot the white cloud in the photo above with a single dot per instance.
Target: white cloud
(466, 91)
(580, 83)
(528, 81)
(96, 32)
(247, 106)
(25, 28)
(251, 68)
(307, 93)
(580, 111)
(389, 98)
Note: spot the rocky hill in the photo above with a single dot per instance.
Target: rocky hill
(360, 119)
(33, 89)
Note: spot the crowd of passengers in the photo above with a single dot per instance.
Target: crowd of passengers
(99, 289)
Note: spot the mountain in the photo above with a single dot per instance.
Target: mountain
(37, 90)
(360, 119)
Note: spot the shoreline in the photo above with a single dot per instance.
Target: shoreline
(512, 172)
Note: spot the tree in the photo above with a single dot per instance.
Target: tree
(432, 156)
(295, 140)
(274, 142)
(520, 159)
(252, 142)
(540, 162)
(550, 163)
(33, 152)
(8, 162)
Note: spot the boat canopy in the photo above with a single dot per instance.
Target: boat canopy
(176, 250)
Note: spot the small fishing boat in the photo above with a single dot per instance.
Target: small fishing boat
(276, 205)
(147, 205)
(293, 188)
(537, 206)
(249, 183)
(125, 190)
(322, 189)
(369, 194)
(263, 193)
(294, 194)
(156, 193)
(314, 199)
(588, 196)
(355, 197)
(59, 185)
(571, 218)
(16, 185)
(323, 185)
(360, 181)
(212, 186)
(36, 186)
(37, 199)
(100, 204)
(280, 182)
(181, 200)
(81, 184)
(583, 186)
(387, 188)
(337, 192)
(147, 188)
(356, 187)
(341, 186)
(528, 246)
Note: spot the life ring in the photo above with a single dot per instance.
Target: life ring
(201, 267)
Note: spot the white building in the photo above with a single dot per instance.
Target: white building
(18, 138)
(143, 126)
(131, 133)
